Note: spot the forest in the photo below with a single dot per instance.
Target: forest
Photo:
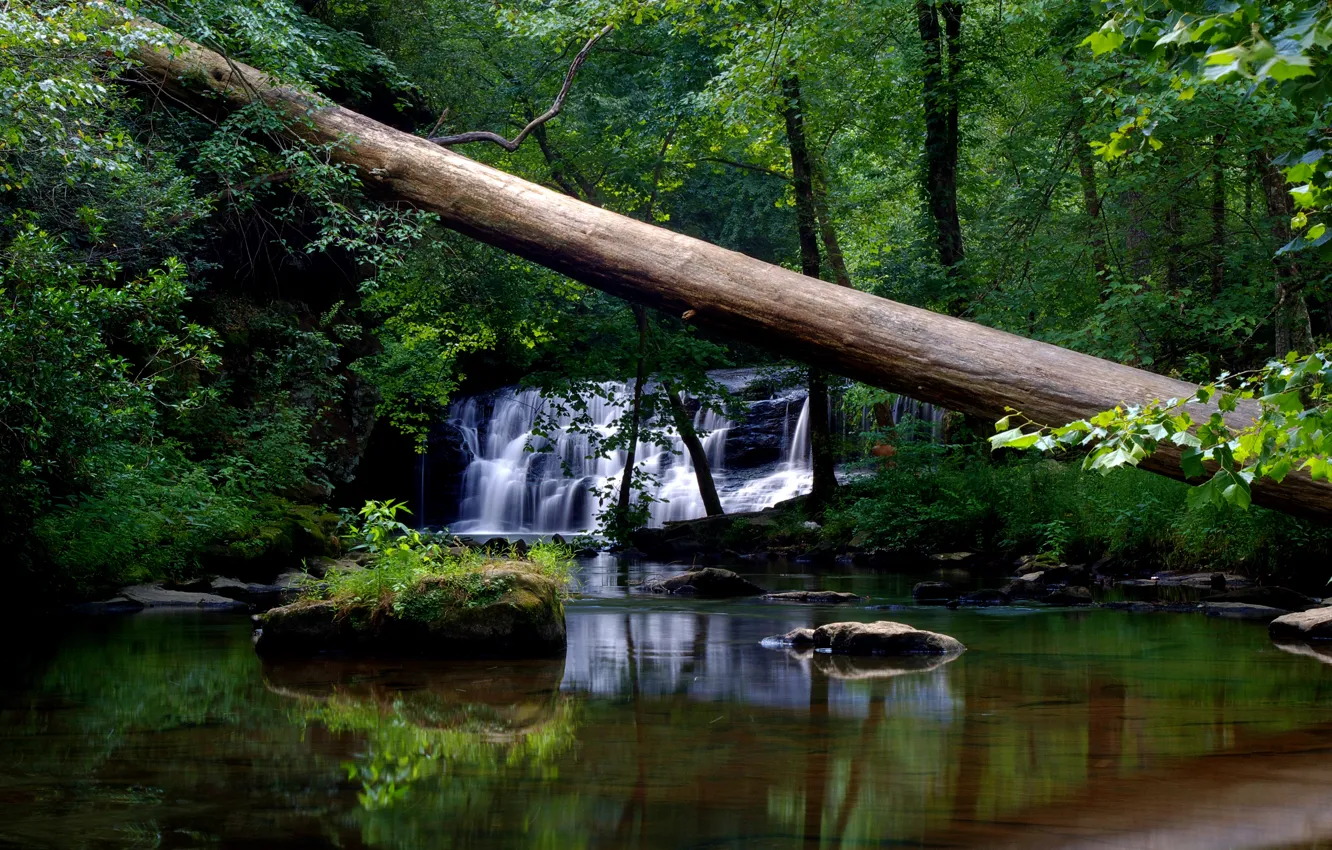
(218, 332)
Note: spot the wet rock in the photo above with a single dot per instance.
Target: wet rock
(1272, 597)
(520, 548)
(1218, 581)
(982, 599)
(710, 582)
(1075, 574)
(954, 557)
(1314, 624)
(1203, 581)
(524, 619)
(114, 605)
(558, 540)
(496, 545)
(1071, 595)
(1241, 611)
(156, 596)
(932, 592)
(883, 638)
(252, 593)
(1028, 586)
(586, 553)
(813, 597)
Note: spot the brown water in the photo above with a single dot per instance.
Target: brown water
(668, 725)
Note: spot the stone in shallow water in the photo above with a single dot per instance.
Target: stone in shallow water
(155, 596)
(1315, 624)
(1272, 597)
(1241, 611)
(1070, 595)
(879, 638)
(813, 597)
(932, 591)
(710, 582)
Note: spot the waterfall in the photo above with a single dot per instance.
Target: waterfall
(926, 414)
(506, 488)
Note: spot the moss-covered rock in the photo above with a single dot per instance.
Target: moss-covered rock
(505, 610)
(286, 534)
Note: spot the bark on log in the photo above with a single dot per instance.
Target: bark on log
(931, 357)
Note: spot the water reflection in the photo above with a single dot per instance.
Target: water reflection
(668, 725)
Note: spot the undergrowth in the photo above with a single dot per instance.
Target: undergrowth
(933, 498)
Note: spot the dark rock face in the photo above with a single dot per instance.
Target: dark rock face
(1029, 586)
(1272, 597)
(813, 597)
(757, 441)
(880, 638)
(525, 621)
(932, 591)
(1314, 624)
(707, 583)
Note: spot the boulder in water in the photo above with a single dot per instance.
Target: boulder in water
(709, 582)
(879, 638)
(1241, 611)
(936, 592)
(1314, 624)
(1071, 595)
(982, 599)
(156, 596)
(1272, 597)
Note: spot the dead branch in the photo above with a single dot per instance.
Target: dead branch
(511, 146)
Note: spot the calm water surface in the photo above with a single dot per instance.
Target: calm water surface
(668, 725)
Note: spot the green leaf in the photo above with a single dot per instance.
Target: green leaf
(1286, 67)
(1104, 40)
(1191, 461)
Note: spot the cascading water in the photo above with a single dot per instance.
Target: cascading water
(517, 482)
(511, 481)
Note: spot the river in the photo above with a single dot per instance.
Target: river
(667, 724)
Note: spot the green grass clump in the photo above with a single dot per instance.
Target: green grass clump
(416, 574)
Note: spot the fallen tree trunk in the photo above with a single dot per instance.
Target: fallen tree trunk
(928, 356)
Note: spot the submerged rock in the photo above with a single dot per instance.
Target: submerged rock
(879, 638)
(935, 592)
(709, 582)
(1314, 624)
(813, 597)
(520, 614)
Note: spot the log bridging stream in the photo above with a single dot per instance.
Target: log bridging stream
(943, 360)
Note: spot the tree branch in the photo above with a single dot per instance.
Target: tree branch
(511, 146)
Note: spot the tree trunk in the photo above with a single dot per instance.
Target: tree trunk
(802, 178)
(1091, 200)
(939, 83)
(1293, 331)
(635, 413)
(935, 358)
(831, 246)
(1218, 217)
(707, 488)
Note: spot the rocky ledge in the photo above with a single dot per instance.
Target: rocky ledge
(879, 638)
(518, 614)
